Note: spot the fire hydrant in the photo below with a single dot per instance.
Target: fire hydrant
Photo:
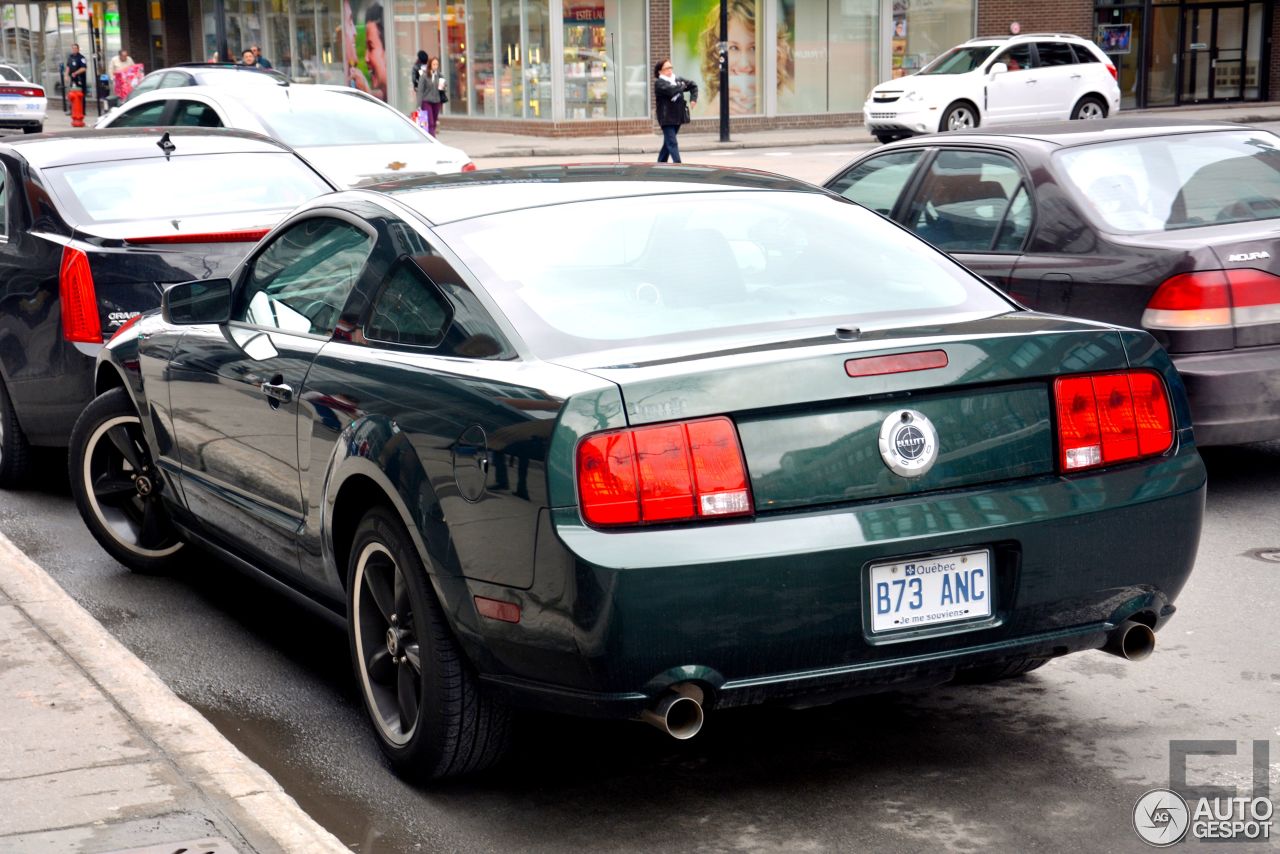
(76, 97)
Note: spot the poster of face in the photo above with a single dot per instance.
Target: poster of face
(364, 51)
(695, 38)
(1114, 38)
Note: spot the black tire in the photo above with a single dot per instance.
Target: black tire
(117, 487)
(30, 129)
(15, 453)
(1089, 107)
(432, 719)
(997, 672)
(959, 116)
(883, 138)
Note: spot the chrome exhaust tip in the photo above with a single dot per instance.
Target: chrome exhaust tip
(678, 712)
(1131, 640)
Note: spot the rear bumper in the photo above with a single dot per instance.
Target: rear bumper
(772, 610)
(1234, 394)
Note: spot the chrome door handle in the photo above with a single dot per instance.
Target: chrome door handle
(277, 393)
(1075, 76)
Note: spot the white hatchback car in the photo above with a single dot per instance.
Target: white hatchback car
(353, 139)
(992, 81)
(22, 103)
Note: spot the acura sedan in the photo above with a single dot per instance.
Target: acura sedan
(93, 226)
(1167, 226)
(692, 459)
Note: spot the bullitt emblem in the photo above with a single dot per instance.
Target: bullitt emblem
(908, 443)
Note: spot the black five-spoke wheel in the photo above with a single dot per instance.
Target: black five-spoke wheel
(116, 485)
(432, 717)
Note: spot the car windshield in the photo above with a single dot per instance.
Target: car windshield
(182, 186)
(619, 272)
(7, 73)
(336, 118)
(1179, 181)
(958, 60)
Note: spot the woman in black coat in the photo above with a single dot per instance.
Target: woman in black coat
(668, 97)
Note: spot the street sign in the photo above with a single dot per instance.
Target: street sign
(81, 8)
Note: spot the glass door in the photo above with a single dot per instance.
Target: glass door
(1219, 58)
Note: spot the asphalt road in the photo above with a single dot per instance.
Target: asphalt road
(1048, 762)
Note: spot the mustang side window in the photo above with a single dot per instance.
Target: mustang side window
(300, 282)
(962, 200)
(409, 309)
(877, 183)
(196, 114)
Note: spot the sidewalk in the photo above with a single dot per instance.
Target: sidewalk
(487, 144)
(98, 755)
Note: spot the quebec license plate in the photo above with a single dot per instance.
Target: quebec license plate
(932, 591)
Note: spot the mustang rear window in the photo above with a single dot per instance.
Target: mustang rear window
(617, 272)
(1166, 183)
(183, 186)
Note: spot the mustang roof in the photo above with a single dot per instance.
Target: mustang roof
(70, 148)
(449, 198)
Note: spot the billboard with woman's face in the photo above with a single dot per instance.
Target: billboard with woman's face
(695, 39)
(364, 51)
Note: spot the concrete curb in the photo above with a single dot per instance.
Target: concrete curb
(251, 799)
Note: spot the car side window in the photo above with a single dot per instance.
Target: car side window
(146, 84)
(301, 282)
(196, 114)
(409, 309)
(1017, 223)
(1055, 53)
(1083, 54)
(963, 198)
(878, 183)
(1017, 58)
(147, 115)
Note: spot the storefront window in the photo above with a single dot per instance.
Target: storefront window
(537, 67)
(830, 58)
(455, 61)
(593, 80)
(417, 28)
(1162, 75)
(923, 29)
(1120, 36)
(480, 66)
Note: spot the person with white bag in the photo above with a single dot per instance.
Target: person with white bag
(432, 94)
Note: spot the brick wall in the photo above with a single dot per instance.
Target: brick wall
(1062, 16)
(1273, 79)
(178, 33)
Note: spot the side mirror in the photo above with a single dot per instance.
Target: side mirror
(998, 68)
(204, 301)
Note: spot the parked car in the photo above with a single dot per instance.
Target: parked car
(1170, 226)
(95, 224)
(353, 138)
(994, 81)
(22, 103)
(693, 459)
(205, 74)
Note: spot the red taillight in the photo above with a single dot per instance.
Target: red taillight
(1111, 418)
(24, 91)
(122, 327)
(469, 167)
(1115, 75)
(1210, 299)
(664, 473)
(246, 235)
(79, 302)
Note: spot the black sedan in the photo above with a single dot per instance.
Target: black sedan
(639, 442)
(1172, 227)
(95, 224)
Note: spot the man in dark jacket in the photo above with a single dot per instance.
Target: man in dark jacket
(668, 97)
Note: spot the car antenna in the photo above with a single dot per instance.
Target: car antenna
(166, 145)
(617, 95)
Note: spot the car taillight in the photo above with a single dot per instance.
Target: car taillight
(1111, 418)
(1214, 299)
(663, 473)
(24, 91)
(1115, 75)
(244, 235)
(469, 167)
(79, 301)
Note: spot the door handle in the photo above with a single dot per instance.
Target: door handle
(277, 392)
(1031, 82)
(1075, 76)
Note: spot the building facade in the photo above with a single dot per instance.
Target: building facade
(584, 67)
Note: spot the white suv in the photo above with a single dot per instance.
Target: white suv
(991, 81)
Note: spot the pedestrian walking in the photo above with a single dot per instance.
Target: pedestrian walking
(672, 109)
(247, 57)
(418, 65)
(259, 59)
(432, 93)
(118, 70)
(78, 69)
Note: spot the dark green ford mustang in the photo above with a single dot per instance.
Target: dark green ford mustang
(644, 442)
